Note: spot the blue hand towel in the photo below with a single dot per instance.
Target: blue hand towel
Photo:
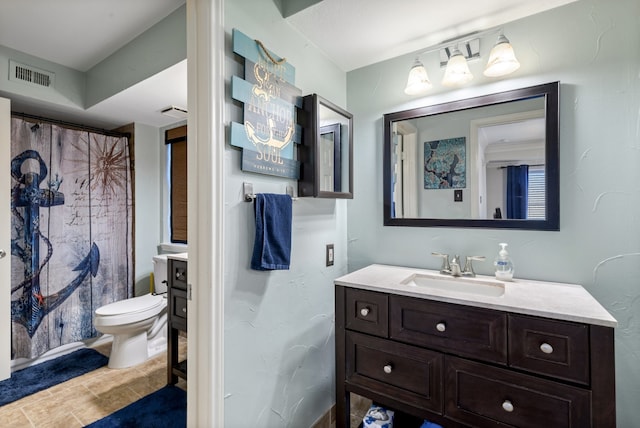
(272, 246)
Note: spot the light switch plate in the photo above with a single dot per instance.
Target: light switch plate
(330, 255)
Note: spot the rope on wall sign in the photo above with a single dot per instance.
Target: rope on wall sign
(264, 49)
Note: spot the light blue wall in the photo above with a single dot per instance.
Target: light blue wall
(67, 90)
(149, 181)
(593, 48)
(279, 326)
(158, 48)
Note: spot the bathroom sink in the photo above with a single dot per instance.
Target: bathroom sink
(441, 283)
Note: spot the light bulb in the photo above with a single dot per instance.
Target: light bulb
(457, 71)
(418, 80)
(502, 59)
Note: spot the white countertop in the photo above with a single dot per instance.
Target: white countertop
(178, 256)
(569, 302)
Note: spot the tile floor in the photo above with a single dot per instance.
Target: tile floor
(87, 398)
(359, 407)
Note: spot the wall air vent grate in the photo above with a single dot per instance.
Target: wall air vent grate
(32, 75)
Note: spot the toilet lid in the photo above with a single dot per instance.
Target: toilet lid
(131, 306)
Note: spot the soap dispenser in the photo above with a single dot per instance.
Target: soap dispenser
(503, 264)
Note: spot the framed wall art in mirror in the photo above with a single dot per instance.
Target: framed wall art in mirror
(490, 161)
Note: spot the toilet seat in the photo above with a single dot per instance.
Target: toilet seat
(130, 310)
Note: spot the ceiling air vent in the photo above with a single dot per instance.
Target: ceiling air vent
(175, 112)
(29, 74)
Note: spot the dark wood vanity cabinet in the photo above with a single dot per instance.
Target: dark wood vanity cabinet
(177, 317)
(463, 366)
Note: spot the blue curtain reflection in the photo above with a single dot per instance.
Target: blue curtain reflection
(517, 183)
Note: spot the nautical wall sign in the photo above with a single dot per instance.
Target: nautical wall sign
(269, 131)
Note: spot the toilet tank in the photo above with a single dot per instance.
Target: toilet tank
(160, 273)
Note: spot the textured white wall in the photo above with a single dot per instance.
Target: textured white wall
(593, 48)
(279, 326)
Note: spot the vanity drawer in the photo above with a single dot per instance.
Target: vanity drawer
(178, 307)
(485, 396)
(463, 330)
(550, 347)
(367, 311)
(405, 373)
(178, 272)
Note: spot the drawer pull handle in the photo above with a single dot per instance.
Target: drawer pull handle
(441, 326)
(388, 368)
(184, 310)
(546, 348)
(364, 311)
(507, 406)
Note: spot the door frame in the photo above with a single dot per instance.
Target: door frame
(5, 239)
(205, 154)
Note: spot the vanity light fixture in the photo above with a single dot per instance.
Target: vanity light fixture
(457, 71)
(418, 81)
(502, 59)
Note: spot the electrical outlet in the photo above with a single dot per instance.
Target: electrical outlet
(330, 255)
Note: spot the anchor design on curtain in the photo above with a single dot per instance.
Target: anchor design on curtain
(31, 307)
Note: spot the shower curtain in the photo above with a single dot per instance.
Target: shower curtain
(71, 234)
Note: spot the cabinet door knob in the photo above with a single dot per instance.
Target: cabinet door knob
(388, 368)
(546, 348)
(441, 326)
(507, 406)
(364, 311)
(184, 310)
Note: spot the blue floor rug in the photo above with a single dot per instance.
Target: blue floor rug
(45, 375)
(166, 407)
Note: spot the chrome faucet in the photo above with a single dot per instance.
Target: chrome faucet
(453, 268)
(446, 267)
(468, 265)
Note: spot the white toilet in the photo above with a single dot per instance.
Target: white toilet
(138, 325)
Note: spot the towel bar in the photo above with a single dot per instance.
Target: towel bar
(249, 196)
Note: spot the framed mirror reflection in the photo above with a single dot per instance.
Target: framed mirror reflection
(490, 161)
(326, 152)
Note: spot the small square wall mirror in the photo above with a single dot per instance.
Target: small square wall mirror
(325, 155)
